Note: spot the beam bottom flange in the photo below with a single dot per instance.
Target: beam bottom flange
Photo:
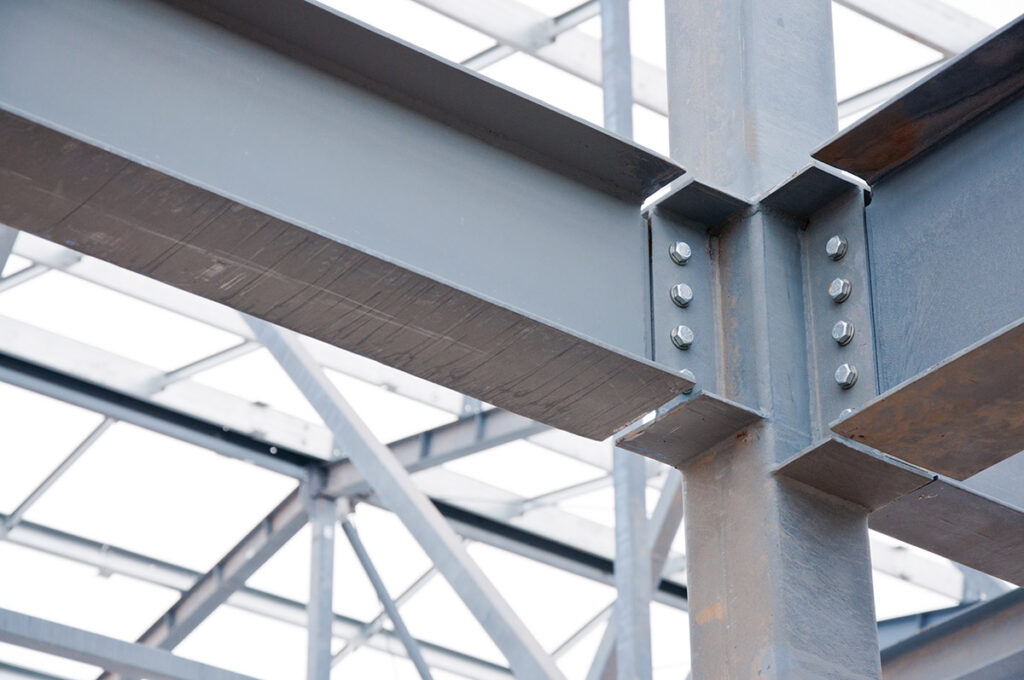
(686, 427)
(917, 506)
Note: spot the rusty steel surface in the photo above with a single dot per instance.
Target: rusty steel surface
(950, 520)
(112, 208)
(959, 417)
(683, 431)
(957, 95)
(854, 473)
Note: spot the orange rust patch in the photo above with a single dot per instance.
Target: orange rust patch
(714, 612)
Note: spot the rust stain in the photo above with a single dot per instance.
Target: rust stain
(714, 612)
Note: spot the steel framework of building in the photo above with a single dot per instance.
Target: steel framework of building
(822, 332)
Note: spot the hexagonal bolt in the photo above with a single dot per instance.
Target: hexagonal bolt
(682, 337)
(680, 252)
(842, 332)
(681, 294)
(846, 376)
(839, 290)
(688, 375)
(836, 247)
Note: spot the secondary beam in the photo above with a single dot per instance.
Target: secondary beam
(100, 650)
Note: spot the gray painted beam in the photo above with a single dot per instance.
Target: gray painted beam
(983, 643)
(99, 650)
(394, 486)
(338, 268)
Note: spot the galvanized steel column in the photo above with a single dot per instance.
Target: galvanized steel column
(779, 577)
(322, 517)
(632, 614)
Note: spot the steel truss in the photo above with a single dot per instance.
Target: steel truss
(744, 216)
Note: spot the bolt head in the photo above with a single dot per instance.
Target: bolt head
(836, 247)
(682, 337)
(681, 294)
(846, 376)
(687, 374)
(839, 290)
(680, 252)
(842, 332)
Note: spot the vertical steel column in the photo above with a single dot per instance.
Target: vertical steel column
(616, 67)
(751, 88)
(631, 615)
(779, 577)
(322, 516)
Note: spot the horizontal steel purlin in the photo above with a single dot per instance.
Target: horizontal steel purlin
(99, 650)
(329, 249)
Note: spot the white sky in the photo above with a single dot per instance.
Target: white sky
(168, 500)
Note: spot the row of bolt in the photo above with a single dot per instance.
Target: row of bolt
(842, 332)
(839, 290)
(681, 294)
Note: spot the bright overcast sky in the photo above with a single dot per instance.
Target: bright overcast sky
(183, 505)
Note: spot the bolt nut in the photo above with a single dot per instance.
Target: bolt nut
(836, 247)
(846, 376)
(842, 332)
(682, 337)
(680, 252)
(839, 290)
(681, 294)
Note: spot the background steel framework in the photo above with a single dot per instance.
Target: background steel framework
(792, 436)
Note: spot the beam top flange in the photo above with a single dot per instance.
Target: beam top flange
(694, 200)
(686, 427)
(810, 189)
(347, 48)
(958, 417)
(963, 91)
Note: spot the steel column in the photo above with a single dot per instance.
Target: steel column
(632, 613)
(322, 517)
(663, 526)
(752, 92)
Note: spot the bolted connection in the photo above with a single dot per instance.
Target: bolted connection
(839, 290)
(846, 376)
(836, 247)
(682, 337)
(681, 294)
(842, 332)
(680, 252)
